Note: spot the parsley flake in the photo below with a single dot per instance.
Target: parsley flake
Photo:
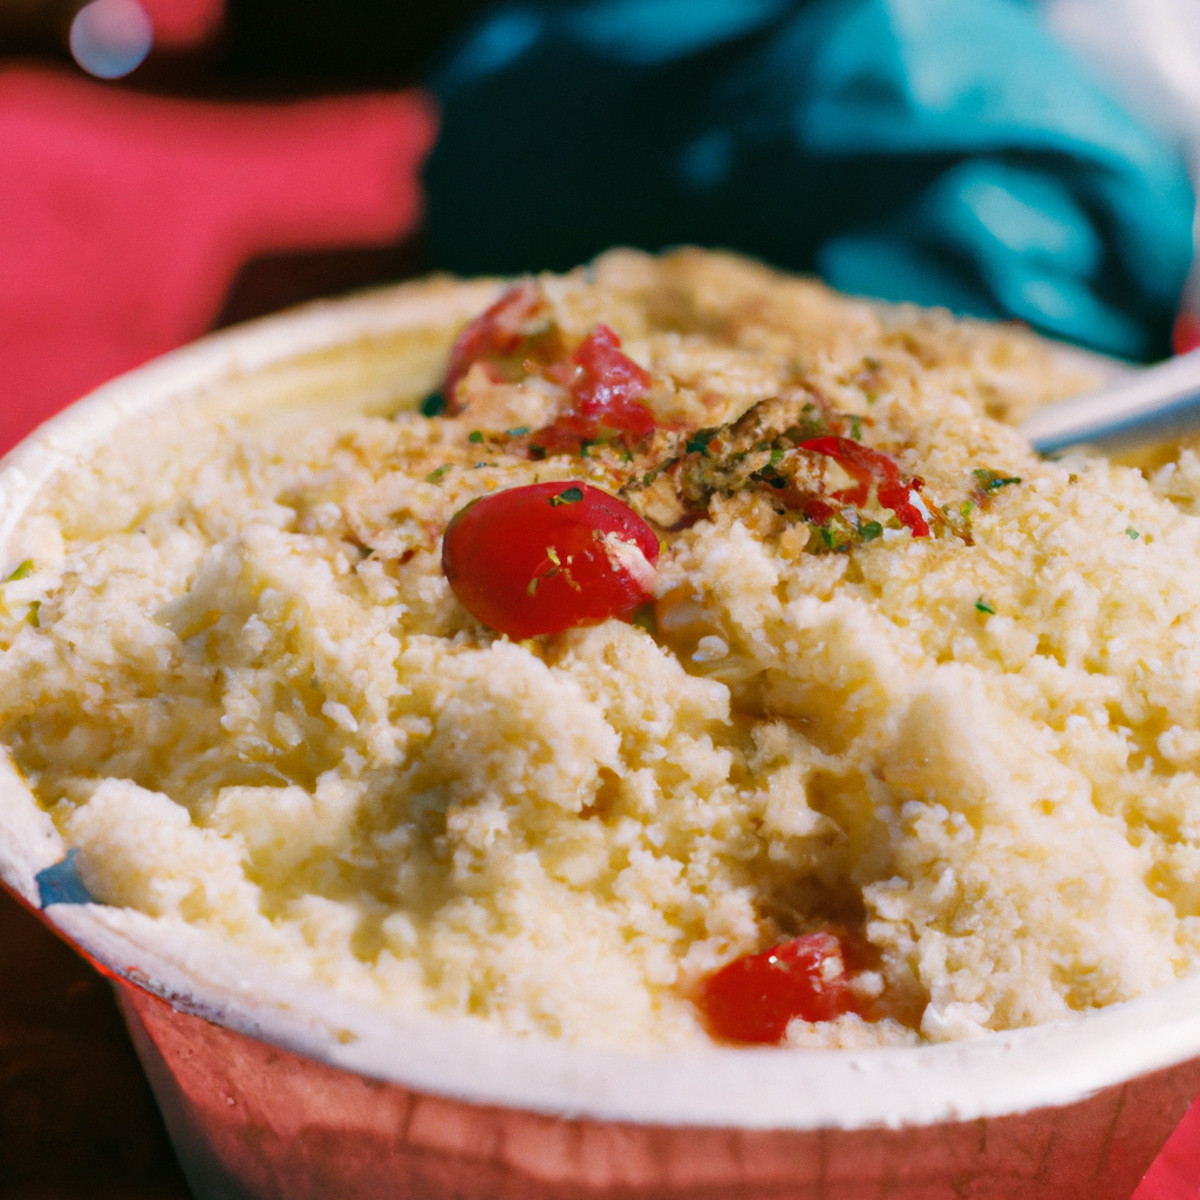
(1131, 533)
(433, 405)
(571, 495)
(984, 606)
(988, 480)
(476, 436)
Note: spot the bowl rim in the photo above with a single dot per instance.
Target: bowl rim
(1054, 1064)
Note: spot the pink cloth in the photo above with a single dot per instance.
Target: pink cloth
(124, 218)
(1175, 1173)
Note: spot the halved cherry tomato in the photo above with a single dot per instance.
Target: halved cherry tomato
(752, 998)
(549, 556)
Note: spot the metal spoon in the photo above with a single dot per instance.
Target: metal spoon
(1149, 404)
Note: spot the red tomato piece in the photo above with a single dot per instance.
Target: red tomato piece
(549, 556)
(497, 333)
(867, 466)
(605, 385)
(609, 383)
(752, 998)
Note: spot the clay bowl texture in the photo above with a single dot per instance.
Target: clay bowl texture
(279, 1090)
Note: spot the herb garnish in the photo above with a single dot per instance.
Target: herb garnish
(698, 443)
(988, 480)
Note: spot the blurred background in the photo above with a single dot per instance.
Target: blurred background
(168, 167)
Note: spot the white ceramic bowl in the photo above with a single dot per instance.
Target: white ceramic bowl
(277, 1090)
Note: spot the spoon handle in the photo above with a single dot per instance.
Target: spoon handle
(1153, 404)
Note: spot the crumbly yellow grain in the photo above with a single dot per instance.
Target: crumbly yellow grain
(251, 701)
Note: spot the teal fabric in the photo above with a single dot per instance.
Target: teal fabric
(943, 151)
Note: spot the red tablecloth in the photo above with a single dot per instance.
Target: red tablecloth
(124, 218)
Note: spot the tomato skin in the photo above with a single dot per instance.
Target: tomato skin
(546, 557)
(610, 384)
(605, 386)
(867, 467)
(496, 334)
(752, 998)
(516, 336)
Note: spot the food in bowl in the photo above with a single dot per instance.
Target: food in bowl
(674, 651)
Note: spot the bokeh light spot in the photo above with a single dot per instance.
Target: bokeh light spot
(110, 38)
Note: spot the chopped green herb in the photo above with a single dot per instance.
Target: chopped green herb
(571, 495)
(476, 436)
(870, 530)
(436, 475)
(699, 441)
(856, 428)
(646, 618)
(988, 480)
(983, 606)
(433, 405)
(1131, 533)
(25, 568)
(518, 431)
